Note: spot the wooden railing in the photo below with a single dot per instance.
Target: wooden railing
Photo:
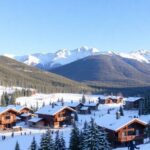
(130, 138)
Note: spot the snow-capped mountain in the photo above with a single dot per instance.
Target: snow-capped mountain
(64, 56)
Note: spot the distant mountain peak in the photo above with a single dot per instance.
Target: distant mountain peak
(61, 57)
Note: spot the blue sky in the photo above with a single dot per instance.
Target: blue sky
(30, 26)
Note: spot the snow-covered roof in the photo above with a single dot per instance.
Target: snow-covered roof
(16, 107)
(84, 108)
(110, 122)
(132, 99)
(48, 110)
(35, 119)
(25, 115)
(90, 104)
(72, 104)
(103, 97)
(4, 109)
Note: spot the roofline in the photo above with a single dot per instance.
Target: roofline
(7, 109)
(59, 111)
(128, 123)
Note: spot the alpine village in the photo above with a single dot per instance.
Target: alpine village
(74, 74)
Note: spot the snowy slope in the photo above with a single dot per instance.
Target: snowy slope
(64, 56)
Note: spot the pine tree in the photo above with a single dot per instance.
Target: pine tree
(121, 111)
(57, 141)
(33, 145)
(94, 139)
(74, 138)
(49, 141)
(43, 144)
(83, 100)
(62, 143)
(17, 147)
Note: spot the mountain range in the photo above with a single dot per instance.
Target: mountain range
(49, 61)
(95, 67)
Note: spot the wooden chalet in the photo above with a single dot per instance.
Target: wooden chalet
(110, 99)
(7, 118)
(123, 130)
(24, 112)
(132, 103)
(53, 116)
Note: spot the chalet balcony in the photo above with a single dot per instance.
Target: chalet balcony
(61, 119)
(130, 138)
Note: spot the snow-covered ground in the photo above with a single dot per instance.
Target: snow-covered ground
(47, 98)
(99, 116)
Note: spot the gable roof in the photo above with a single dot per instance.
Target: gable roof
(72, 104)
(48, 110)
(110, 122)
(17, 107)
(90, 104)
(132, 99)
(5, 109)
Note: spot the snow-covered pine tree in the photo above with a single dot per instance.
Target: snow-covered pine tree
(83, 100)
(49, 141)
(62, 143)
(74, 138)
(57, 142)
(43, 143)
(17, 147)
(93, 139)
(104, 140)
(34, 145)
(81, 141)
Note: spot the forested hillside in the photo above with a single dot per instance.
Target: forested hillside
(13, 73)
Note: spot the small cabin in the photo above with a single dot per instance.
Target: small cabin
(123, 130)
(54, 116)
(132, 103)
(110, 99)
(7, 118)
(24, 112)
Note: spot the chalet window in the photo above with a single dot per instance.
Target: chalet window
(137, 132)
(131, 133)
(123, 134)
(7, 117)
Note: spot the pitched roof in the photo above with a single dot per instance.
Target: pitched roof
(90, 104)
(110, 122)
(84, 108)
(48, 110)
(17, 107)
(4, 109)
(35, 119)
(132, 99)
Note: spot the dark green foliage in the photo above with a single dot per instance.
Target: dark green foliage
(121, 111)
(74, 138)
(33, 145)
(17, 147)
(144, 106)
(94, 138)
(13, 73)
(83, 100)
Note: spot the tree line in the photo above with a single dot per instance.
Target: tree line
(90, 137)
